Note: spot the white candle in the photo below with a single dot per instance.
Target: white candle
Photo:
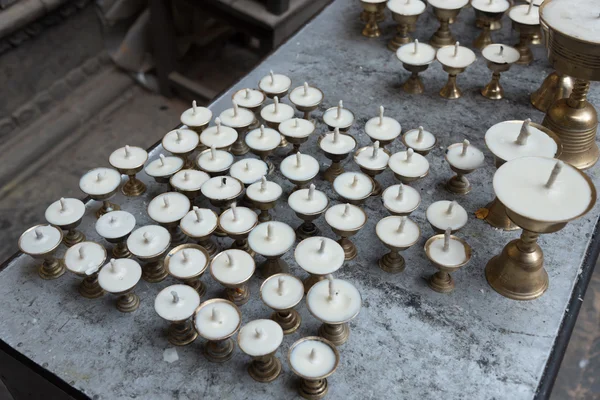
(447, 251)
(148, 241)
(271, 238)
(308, 201)
(299, 167)
(406, 7)
(168, 207)
(353, 185)
(275, 84)
(456, 56)
(277, 112)
(238, 219)
(187, 263)
(249, 170)
(522, 186)
(249, 98)
(40, 239)
(264, 191)
(100, 181)
(128, 157)
(448, 4)
(382, 128)
(115, 224)
(214, 160)
(525, 14)
(372, 157)
(490, 6)
(514, 139)
(222, 188)
(65, 211)
(119, 275)
(401, 199)
(535, 2)
(337, 143)
(282, 291)
(345, 217)
(260, 337)
(196, 116)
(408, 164)
(232, 267)
(313, 359)
(176, 302)
(296, 128)
(199, 222)
(164, 166)
(398, 231)
(464, 156)
(333, 301)
(416, 53)
(263, 139)
(446, 214)
(338, 117)
(180, 141)
(189, 180)
(500, 54)
(237, 117)
(306, 96)
(419, 139)
(217, 319)
(85, 258)
(219, 135)
(319, 255)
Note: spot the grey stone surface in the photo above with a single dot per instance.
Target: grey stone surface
(7, 125)
(407, 342)
(26, 114)
(75, 77)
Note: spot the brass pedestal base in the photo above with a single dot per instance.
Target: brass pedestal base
(451, 91)
(73, 237)
(377, 189)
(555, 87)
(264, 216)
(402, 31)
(311, 281)
(307, 229)
(128, 302)
(219, 350)
(459, 184)
(89, 287)
(121, 251)
(210, 246)
(336, 334)
(526, 35)
(392, 262)
(265, 369)
(133, 187)
(239, 147)
(107, 207)
(441, 282)
(181, 333)
(493, 90)
(485, 37)
(350, 250)
(238, 296)
(413, 84)
(177, 235)
(443, 36)
(289, 320)
(242, 244)
(51, 269)
(313, 389)
(371, 29)
(334, 170)
(494, 26)
(364, 16)
(272, 266)
(498, 218)
(197, 285)
(154, 272)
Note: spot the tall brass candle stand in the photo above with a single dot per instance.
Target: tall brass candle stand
(373, 10)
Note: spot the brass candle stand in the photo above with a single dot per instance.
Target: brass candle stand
(314, 388)
(51, 267)
(127, 301)
(487, 18)
(239, 292)
(73, 235)
(181, 332)
(206, 240)
(261, 346)
(451, 91)
(459, 184)
(296, 141)
(264, 206)
(308, 109)
(493, 90)
(224, 204)
(265, 368)
(350, 250)
(288, 318)
(414, 84)
(556, 86)
(153, 268)
(443, 36)
(255, 110)
(273, 263)
(239, 147)
(371, 172)
(193, 280)
(318, 271)
(372, 10)
(336, 168)
(264, 156)
(308, 228)
(219, 349)
(89, 287)
(494, 26)
(527, 31)
(342, 128)
(364, 16)
(107, 206)
(120, 249)
(133, 187)
(403, 29)
(393, 262)
(240, 239)
(442, 281)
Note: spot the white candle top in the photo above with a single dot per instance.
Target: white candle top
(115, 224)
(337, 143)
(456, 56)
(406, 7)
(446, 214)
(500, 54)
(416, 53)
(272, 238)
(308, 201)
(277, 112)
(345, 217)
(338, 117)
(299, 167)
(452, 255)
(249, 98)
(65, 211)
(514, 139)
(401, 198)
(264, 191)
(220, 136)
(100, 181)
(222, 188)
(576, 18)
(353, 185)
(168, 207)
(275, 83)
(217, 319)
(296, 128)
(375, 1)
(149, 241)
(213, 160)
(40, 239)
(382, 128)
(196, 116)
(237, 117)
(491, 6)
(419, 139)
(263, 139)
(260, 337)
(448, 4)
(189, 180)
(164, 166)
(199, 222)
(187, 263)
(333, 301)
(313, 359)
(249, 170)
(319, 255)
(180, 141)
(372, 157)
(238, 219)
(176, 302)
(282, 291)
(232, 267)
(85, 258)
(398, 231)
(306, 96)
(119, 275)
(464, 156)
(128, 157)
(525, 14)
(524, 186)
(409, 164)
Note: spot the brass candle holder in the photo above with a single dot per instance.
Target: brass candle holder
(307, 228)
(238, 292)
(165, 178)
(240, 239)
(329, 256)
(105, 197)
(307, 108)
(400, 174)
(451, 91)
(393, 262)
(525, 21)
(296, 141)
(264, 152)
(181, 331)
(193, 279)
(273, 263)
(371, 29)
(332, 125)
(203, 239)
(498, 63)
(443, 36)
(265, 367)
(350, 250)
(225, 203)
(459, 184)
(556, 86)
(120, 249)
(241, 96)
(285, 315)
(372, 172)
(396, 192)
(364, 16)
(239, 147)
(442, 281)
(188, 162)
(73, 235)
(487, 18)
(89, 286)
(133, 187)
(127, 300)
(407, 56)
(404, 21)
(336, 168)
(183, 187)
(51, 267)
(263, 195)
(153, 268)
(172, 223)
(218, 349)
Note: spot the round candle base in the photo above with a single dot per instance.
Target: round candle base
(371, 29)
(264, 216)
(451, 91)
(493, 90)
(121, 251)
(73, 237)
(181, 333)
(337, 334)
(210, 246)
(498, 218)
(239, 295)
(334, 170)
(392, 262)
(441, 282)
(272, 266)
(443, 36)
(556, 86)
(313, 389)
(197, 285)
(364, 16)
(219, 350)
(289, 320)
(242, 244)
(89, 287)
(154, 272)
(128, 302)
(265, 369)
(133, 187)
(485, 37)
(413, 84)
(459, 184)
(107, 207)
(239, 147)
(307, 229)
(350, 251)
(51, 269)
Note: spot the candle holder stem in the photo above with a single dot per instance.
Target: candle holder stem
(443, 36)
(371, 29)
(485, 37)
(239, 147)
(350, 250)
(556, 86)
(364, 16)
(90, 288)
(377, 189)
(413, 84)
(334, 170)
(133, 187)
(181, 333)
(337, 334)
(177, 235)
(313, 389)
(526, 55)
(121, 251)
(289, 320)
(107, 207)
(441, 282)
(307, 229)
(270, 165)
(451, 91)
(272, 266)
(493, 90)
(311, 281)
(498, 218)
(459, 184)
(307, 115)
(265, 369)
(51, 268)
(210, 246)
(392, 262)
(197, 285)
(295, 149)
(402, 37)
(264, 216)
(219, 350)
(128, 302)
(154, 271)
(242, 244)
(238, 295)
(73, 237)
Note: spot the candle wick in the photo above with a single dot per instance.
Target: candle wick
(198, 214)
(530, 7)
(339, 110)
(247, 93)
(298, 160)
(465, 146)
(234, 211)
(409, 154)
(311, 192)
(332, 292)
(213, 152)
(259, 333)
(223, 182)
(194, 107)
(456, 45)
(401, 226)
(312, 357)
(235, 109)
(175, 296)
(416, 49)
(113, 265)
(216, 315)
(262, 131)
(296, 123)
(321, 249)
(491, 1)
(501, 50)
(230, 259)
(272, 77)
(554, 174)
(280, 286)
(269, 232)
(63, 205)
(407, 1)
(81, 253)
(127, 152)
(178, 133)
(247, 166)
(375, 149)
(184, 256)
(400, 192)
(218, 123)
(420, 135)
(305, 89)
(354, 181)
(166, 201)
(336, 135)
(524, 133)
(38, 233)
(162, 160)
(147, 237)
(98, 177)
(346, 210)
(447, 239)
(276, 105)
(186, 176)
(112, 220)
(450, 207)
(263, 184)
(380, 115)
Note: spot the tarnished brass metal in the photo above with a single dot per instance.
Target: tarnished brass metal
(307, 110)
(451, 91)
(414, 84)
(556, 86)
(314, 388)
(192, 280)
(372, 173)
(373, 11)
(223, 204)
(393, 262)
(133, 187)
(526, 36)
(51, 267)
(181, 333)
(486, 18)
(128, 302)
(350, 250)
(443, 36)
(238, 293)
(220, 349)
(493, 90)
(442, 281)
(402, 30)
(288, 318)
(308, 227)
(265, 368)
(240, 239)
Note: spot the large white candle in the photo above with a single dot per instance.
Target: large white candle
(65, 211)
(277, 112)
(282, 291)
(196, 116)
(275, 84)
(406, 7)
(189, 180)
(237, 117)
(525, 14)
(447, 251)
(128, 157)
(456, 56)
(163, 166)
(264, 191)
(448, 4)
(308, 201)
(85, 258)
(232, 267)
(398, 231)
(372, 157)
(148, 241)
(272, 238)
(249, 98)
(199, 222)
(263, 139)
(222, 188)
(408, 164)
(313, 359)
(514, 139)
(180, 141)
(119, 275)
(382, 128)
(500, 53)
(446, 214)
(338, 117)
(115, 224)
(419, 139)
(217, 319)
(337, 143)
(464, 156)
(296, 128)
(100, 181)
(176, 302)
(319, 255)
(219, 135)
(248, 170)
(260, 337)
(237, 219)
(306, 96)
(214, 160)
(333, 301)
(353, 185)
(168, 207)
(416, 53)
(490, 6)
(401, 199)
(345, 217)
(187, 263)
(299, 167)
(40, 239)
